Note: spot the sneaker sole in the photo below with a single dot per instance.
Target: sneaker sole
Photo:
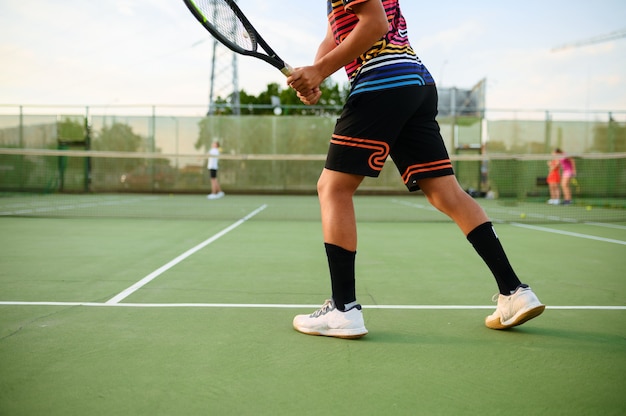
(336, 333)
(517, 320)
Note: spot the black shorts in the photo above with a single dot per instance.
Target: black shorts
(213, 173)
(400, 123)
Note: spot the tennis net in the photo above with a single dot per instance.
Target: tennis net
(37, 182)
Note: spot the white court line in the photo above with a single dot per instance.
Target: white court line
(290, 306)
(537, 228)
(124, 294)
(602, 224)
(571, 234)
(39, 209)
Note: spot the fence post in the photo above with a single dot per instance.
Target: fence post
(548, 133)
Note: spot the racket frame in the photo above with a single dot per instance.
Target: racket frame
(270, 56)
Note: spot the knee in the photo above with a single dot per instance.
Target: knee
(323, 186)
(442, 192)
(447, 200)
(328, 186)
(440, 200)
(337, 184)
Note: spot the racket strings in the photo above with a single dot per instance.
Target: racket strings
(220, 15)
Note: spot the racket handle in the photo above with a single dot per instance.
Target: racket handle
(287, 70)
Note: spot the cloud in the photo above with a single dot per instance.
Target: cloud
(137, 51)
(539, 78)
(465, 35)
(125, 7)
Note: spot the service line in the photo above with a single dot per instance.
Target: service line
(124, 294)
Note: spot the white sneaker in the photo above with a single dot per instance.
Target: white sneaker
(514, 309)
(331, 322)
(215, 196)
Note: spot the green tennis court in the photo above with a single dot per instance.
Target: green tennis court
(160, 305)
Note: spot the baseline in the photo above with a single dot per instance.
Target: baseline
(569, 233)
(292, 306)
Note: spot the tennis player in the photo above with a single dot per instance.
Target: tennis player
(554, 179)
(390, 111)
(213, 166)
(569, 172)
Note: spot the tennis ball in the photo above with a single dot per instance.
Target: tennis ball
(522, 215)
(588, 208)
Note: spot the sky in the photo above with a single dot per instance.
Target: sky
(127, 52)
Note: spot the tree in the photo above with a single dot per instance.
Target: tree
(333, 97)
(70, 131)
(609, 138)
(205, 135)
(331, 101)
(119, 137)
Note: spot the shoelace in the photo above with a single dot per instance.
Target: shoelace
(328, 306)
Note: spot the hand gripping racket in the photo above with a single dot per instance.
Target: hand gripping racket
(227, 23)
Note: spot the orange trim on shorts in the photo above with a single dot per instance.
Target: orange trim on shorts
(425, 167)
(376, 160)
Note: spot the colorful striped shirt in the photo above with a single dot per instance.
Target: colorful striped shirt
(390, 62)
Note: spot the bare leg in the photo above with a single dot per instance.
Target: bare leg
(554, 191)
(567, 193)
(335, 190)
(215, 186)
(446, 195)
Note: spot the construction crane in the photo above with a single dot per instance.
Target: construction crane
(593, 40)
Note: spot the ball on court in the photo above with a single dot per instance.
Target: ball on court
(522, 215)
(588, 207)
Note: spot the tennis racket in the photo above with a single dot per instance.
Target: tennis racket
(227, 23)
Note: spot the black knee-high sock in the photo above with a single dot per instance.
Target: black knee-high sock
(341, 265)
(487, 245)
